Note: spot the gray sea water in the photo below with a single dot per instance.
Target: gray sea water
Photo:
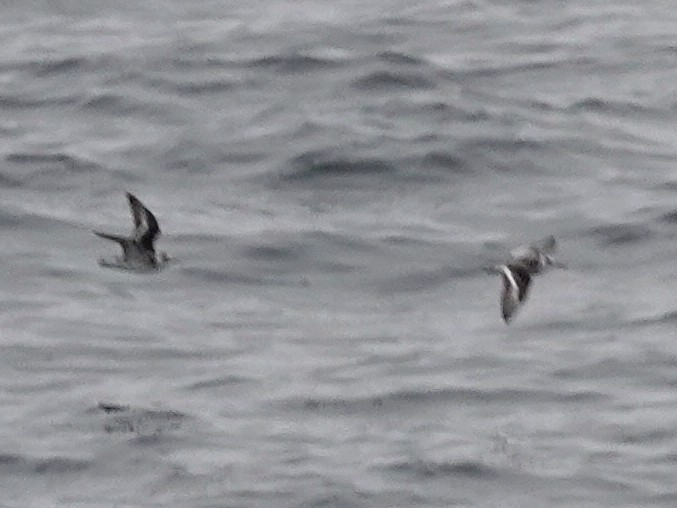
(332, 178)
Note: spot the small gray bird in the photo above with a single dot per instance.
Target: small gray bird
(525, 262)
(138, 249)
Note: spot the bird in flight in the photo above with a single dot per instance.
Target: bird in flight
(525, 262)
(138, 249)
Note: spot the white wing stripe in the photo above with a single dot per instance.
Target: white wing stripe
(511, 279)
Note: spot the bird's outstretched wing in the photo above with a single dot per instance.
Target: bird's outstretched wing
(516, 280)
(137, 209)
(146, 228)
(115, 238)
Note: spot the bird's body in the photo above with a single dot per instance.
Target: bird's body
(138, 250)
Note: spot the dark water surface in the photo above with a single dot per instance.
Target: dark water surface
(333, 177)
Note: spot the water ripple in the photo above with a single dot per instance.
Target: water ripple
(319, 165)
(395, 400)
(56, 465)
(383, 81)
(429, 469)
